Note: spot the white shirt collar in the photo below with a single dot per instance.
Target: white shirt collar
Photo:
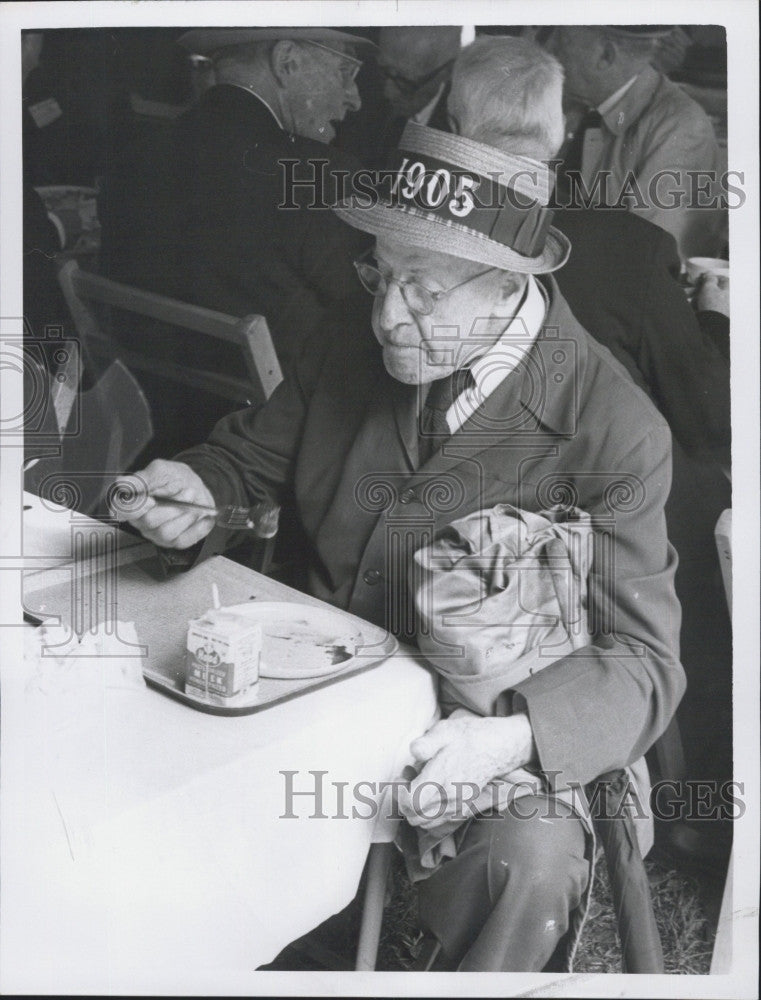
(250, 90)
(517, 337)
(615, 97)
(492, 368)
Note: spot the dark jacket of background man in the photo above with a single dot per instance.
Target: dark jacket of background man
(621, 283)
(200, 219)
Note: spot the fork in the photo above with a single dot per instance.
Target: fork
(262, 518)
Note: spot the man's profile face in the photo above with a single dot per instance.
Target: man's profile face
(576, 49)
(419, 349)
(402, 64)
(322, 92)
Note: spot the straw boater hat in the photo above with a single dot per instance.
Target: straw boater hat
(447, 193)
(207, 41)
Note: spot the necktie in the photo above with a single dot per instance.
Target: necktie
(575, 148)
(434, 429)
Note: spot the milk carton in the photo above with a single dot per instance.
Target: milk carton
(222, 658)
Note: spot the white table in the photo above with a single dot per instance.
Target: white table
(147, 852)
(53, 538)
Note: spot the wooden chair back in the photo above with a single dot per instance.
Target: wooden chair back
(85, 291)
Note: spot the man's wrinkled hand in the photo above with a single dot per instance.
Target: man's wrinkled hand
(163, 523)
(462, 754)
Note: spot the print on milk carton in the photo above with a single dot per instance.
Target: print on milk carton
(222, 658)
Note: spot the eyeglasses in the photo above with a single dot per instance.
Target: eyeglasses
(421, 301)
(409, 87)
(349, 66)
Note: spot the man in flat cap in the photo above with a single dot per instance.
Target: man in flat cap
(479, 393)
(633, 121)
(207, 217)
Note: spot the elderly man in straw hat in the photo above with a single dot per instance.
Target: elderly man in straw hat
(479, 393)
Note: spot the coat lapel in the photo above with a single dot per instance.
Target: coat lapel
(404, 402)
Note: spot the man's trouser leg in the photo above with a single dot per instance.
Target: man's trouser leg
(504, 902)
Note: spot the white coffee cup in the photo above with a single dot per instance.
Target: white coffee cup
(697, 266)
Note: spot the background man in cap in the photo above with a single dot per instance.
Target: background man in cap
(480, 388)
(631, 118)
(195, 212)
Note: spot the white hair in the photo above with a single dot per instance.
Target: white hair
(507, 92)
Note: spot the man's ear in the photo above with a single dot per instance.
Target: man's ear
(285, 60)
(511, 282)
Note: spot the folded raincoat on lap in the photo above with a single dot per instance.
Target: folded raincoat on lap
(499, 595)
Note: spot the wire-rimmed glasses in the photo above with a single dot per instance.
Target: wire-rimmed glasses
(349, 66)
(408, 87)
(420, 300)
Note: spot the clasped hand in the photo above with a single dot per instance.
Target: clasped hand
(461, 752)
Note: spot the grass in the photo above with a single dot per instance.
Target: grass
(686, 908)
(681, 903)
(686, 932)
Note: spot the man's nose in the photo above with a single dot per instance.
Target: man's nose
(394, 310)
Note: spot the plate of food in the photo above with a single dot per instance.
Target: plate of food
(301, 641)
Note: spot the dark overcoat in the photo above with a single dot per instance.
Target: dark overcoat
(195, 212)
(621, 282)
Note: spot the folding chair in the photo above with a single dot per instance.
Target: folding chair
(84, 291)
(95, 301)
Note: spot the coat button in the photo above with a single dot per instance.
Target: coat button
(372, 576)
(407, 496)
